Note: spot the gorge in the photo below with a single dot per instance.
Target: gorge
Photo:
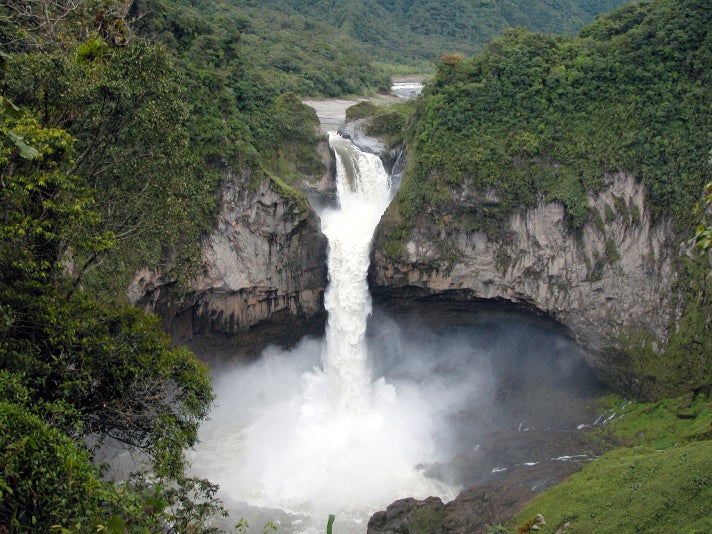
(528, 334)
(317, 437)
(351, 422)
(561, 305)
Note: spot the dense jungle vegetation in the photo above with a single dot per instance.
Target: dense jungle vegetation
(415, 32)
(548, 115)
(279, 50)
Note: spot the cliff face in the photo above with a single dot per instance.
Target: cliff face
(261, 281)
(611, 280)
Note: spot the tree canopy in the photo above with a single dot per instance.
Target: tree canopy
(418, 31)
(74, 370)
(526, 116)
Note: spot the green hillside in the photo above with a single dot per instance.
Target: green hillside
(399, 31)
(537, 116)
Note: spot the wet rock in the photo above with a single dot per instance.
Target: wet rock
(473, 511)
(356, 131)
(408, 516)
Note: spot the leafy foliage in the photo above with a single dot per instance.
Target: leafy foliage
(47, 479)
(126, 113)
(385, 121)
(49, 483)
(157, 125)
(363, 109)
(703, 232)
(524, 118)
(286, 51)
(75, 370)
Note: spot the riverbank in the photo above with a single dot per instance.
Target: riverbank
(332, 111)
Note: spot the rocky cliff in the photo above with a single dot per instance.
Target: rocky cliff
(262, 276)
(610, 280)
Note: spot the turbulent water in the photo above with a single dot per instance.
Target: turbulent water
(363, 192)
(347, 424)
(307, 433)
(407, 89)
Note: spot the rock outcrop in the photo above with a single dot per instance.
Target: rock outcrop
(611, 280)
(474, 510)
(261, 281)
(393, 158)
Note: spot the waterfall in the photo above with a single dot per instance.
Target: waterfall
(348, 424)
(309, 432)
(363, 188)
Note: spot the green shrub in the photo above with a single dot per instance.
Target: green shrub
(363, 109)
(47, 481)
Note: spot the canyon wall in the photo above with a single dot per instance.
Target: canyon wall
(261, 280)
(606, 282)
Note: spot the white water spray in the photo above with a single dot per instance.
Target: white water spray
(363, 188)
(327, 439)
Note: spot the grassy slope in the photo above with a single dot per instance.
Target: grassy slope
(660, 482)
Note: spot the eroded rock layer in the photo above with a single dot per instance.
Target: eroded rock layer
(609, 280)
(261, 281)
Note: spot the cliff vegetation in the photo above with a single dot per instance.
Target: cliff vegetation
(537, 116)
(545, 119)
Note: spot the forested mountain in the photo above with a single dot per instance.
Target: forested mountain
(538, 119)
(403, 31)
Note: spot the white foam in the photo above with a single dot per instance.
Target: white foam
(314, 439)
